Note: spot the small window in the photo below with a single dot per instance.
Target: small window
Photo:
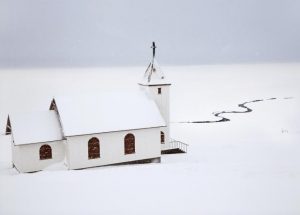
(162, 137)
(94, 148)
(129, 144)
(45, 152)
(159, 90)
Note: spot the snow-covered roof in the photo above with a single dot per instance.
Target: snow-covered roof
(107, 112)
(154, 75)
(35, 127)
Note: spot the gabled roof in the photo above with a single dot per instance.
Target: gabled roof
(35, 127)
(154, 75)
(107, 112)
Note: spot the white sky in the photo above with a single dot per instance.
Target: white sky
(36, 33)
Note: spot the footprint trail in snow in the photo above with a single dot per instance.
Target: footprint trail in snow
(224, 119)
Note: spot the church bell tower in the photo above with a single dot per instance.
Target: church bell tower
(157, 87)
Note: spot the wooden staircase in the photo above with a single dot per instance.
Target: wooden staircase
(176, 147)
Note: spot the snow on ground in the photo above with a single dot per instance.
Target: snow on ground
(250, 165)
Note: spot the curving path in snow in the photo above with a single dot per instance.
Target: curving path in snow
(224, 119)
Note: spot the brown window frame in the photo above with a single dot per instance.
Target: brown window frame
(45, 152)
(93, 148)
(129, 144)
(162, 138)
(159, 90)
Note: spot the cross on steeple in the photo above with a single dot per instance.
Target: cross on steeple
(153, 49)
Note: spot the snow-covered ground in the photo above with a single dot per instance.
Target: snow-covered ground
(249, 165)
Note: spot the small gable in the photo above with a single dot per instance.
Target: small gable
(8, 127)
(53, 105)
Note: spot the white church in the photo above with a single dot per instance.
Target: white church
(97, 130)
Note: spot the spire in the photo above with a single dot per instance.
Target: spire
(153, 73)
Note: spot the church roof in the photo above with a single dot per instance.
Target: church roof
(154, 75)
(107, 112)
(35, 127)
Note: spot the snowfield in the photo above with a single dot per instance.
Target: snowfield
(248, 165)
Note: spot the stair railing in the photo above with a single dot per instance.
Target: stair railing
(176, 144)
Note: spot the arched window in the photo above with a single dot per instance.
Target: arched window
(162, 137)
(45, 152)
(94, 148)
(129, 144)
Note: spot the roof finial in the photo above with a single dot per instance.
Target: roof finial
(153, 49)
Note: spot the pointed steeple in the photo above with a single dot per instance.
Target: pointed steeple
(153, 74)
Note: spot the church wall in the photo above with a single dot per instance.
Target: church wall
(162, 100)
(163, 104)
(147, 145)
(26, 158)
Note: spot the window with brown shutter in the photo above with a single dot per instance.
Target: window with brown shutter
(94, 148)
(45, 152)
(159, 90)
(162, 137)
(129, 144)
